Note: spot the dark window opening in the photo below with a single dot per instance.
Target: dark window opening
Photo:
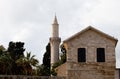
(100, 55)
(81, 55)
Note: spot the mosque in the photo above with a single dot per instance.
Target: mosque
(90, 54)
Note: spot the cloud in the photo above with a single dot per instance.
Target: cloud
(105, 12)
(22, 34)
(30, 20)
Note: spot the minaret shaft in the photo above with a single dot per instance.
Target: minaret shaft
(55, 42)
(55, 30)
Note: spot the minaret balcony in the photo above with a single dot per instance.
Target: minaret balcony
(55, 39)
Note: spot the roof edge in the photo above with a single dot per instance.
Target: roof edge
(92, 28)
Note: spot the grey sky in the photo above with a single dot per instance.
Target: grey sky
(30, 20)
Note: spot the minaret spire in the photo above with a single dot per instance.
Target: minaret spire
(55, 28)
(55, 20)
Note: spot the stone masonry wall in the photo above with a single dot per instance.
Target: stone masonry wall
(91, 69)
(117, 74)
(61, 70)
(29, 77)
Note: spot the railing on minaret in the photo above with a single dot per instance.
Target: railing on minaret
(55, 42)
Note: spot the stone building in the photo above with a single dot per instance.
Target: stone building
(90, 55)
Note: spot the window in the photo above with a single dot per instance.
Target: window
(100, 55)
(81, 55)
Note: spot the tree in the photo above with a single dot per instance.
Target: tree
(27, 63)
(5, 64)
(46, 57)
(13, 61)
(5, 61)
(15, 51)
(45, 67)
(63, 55)
(2, 50)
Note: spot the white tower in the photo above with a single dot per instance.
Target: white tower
(55, 42)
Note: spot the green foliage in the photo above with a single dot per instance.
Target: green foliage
(2, 49)
(45, 71)
(55, 65)
(46, 57)
(27, 63)
(53, 72)
(63, 49)
(5, 63)
(39, 70)
(63, 58)
(63, 55)
(16, 49)
(13, 61)
(45, 67)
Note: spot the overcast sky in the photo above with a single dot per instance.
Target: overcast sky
(30, 21)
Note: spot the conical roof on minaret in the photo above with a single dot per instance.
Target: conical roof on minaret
(55, 20)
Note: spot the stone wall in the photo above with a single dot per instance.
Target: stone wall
(91, 69)
(90, 40)
(117, 73)
(61, 70)
(29, 77)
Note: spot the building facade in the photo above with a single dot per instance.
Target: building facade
(90, 55)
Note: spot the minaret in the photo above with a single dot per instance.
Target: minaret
(55, 42)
